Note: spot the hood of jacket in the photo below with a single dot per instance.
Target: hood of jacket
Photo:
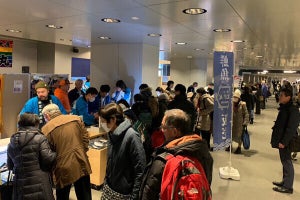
(194, 146)
(205, 96)
(146, 92)
(23, 137)
(189, 144)
(118, 134)
(58, 121)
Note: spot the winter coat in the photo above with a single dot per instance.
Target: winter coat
(126, 160)
(206, 106)
(73, 95)
(64, 99)
(31, 106)
(69, 138)
(286, 124)
(240, 118)
(30, 157)
(190, 145)
(181, 102)
(249, 99)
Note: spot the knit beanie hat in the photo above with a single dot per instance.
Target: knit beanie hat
(41, 84)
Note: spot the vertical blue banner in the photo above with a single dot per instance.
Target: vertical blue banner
(223, 82)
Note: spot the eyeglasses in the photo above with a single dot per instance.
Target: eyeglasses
(164, 127)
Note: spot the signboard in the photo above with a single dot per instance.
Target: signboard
(223, 82)
(6, 49)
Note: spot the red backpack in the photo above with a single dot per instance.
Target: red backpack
(184, 178)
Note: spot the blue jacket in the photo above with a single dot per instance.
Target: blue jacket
(31, 106)
(82, 109)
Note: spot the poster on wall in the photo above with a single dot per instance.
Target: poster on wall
(6, 49)
(18, 86)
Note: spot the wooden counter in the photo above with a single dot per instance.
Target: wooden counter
(98, 159)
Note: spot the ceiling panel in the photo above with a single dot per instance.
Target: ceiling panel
(270, 28)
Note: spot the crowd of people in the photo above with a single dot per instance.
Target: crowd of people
(175, 120)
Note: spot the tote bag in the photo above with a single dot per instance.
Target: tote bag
(246, 138)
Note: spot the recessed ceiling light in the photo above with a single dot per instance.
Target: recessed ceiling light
(135, 18)
(197, 49)
(289, 71)
(13, 31)
(104, 38)
(259, 56)
(194, 11)
(88, 46)
(181, 43)
(110, 20)
(222, 30)
(53, 26)
(237, 41)
(154, 35)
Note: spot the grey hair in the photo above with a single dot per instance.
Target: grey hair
(52, 110)
(178, 119)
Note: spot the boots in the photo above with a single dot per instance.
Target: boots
(238, 151)
(251, 120)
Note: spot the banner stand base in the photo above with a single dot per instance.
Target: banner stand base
(229, 173)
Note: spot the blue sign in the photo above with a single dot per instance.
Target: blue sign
(223, 83)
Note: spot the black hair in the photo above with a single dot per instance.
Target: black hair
(28, 119)
(104, 88)
(169, 83)
(159, 89)
(143, 86)
(112, 110)
(287, 91)
(124, 102)
(91, 90)
(121, 84)
(181, 88)
(201, 90)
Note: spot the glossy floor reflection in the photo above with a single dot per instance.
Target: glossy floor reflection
(258, 167)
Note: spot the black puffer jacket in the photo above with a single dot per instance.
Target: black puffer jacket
(181, 102)
(190, 145)
(286, 124)
(30, 158)
(126, 160)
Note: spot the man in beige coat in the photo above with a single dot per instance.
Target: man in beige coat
(69, 138)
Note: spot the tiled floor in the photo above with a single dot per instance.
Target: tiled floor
(258, 167)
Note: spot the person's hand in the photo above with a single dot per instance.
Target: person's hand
(96, 115)
(281, 146)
